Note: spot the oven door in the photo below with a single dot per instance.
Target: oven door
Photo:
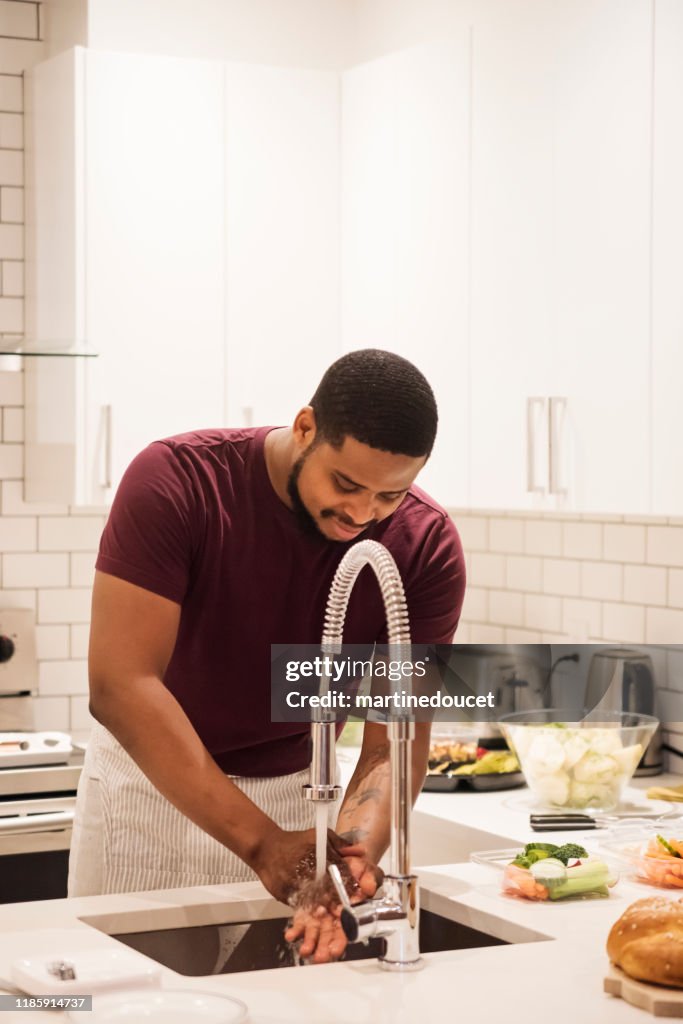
(35, 836)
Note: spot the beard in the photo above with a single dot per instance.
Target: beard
(305, 521)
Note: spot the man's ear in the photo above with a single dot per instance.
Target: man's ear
(304, 427)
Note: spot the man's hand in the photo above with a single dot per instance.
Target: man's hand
(317, 917)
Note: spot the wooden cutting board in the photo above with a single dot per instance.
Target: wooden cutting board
(660, 1001)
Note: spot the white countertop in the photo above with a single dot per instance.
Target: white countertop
(559, 974)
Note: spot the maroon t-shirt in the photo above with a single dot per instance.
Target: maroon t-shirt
(196, 520)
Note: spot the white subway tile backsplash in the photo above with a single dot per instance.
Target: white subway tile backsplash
(543, 537)
(623, 623)
(513, 635)
(81, 719)
(524, 573)
(11, 205)
(561, 576)
(475, 607)
(11, 388)
(601, 580)
(13, 425)
(11, 248)
(12, 274)
(543, 613)
(52, 643)
(80, 635)
(676, 588)
(506, 607)
(481, 634)
(473, 532)
(62, 678)
(35, 570)
(83, 569)
(10, 598)
(11, 172)
(11, 93)
(11, 461)
(581, 620)
(13, 503)
(19, 20)
(582, 540)
(663, 626)
(82, 533)
(51, 714)
(64, 605)
(11, 314)
(624, 543)
(644, 584)
(487, 570)
(665, 545)
(17, 535)
(11, 131)
(506, 535)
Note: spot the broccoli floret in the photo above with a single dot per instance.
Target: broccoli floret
(569, 851)
(533, 852)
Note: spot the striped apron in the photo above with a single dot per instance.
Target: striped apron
(127, 837)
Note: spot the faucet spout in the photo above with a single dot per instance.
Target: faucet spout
(396, 915)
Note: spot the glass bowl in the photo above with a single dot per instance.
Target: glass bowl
(578, 763)
(652, 850)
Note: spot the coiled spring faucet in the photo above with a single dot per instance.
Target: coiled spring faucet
(396, 916)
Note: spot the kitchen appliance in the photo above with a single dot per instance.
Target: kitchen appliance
(37, 805)
(516, 674)
(622, 679)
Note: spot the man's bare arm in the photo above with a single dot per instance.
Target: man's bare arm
(133, 633)
(365, 813)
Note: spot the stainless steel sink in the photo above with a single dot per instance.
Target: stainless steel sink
(260, 945)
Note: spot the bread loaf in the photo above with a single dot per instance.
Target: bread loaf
(647, 941)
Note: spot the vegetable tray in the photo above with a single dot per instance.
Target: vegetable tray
(482, 783)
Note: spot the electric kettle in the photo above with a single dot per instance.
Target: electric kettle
(621, 679)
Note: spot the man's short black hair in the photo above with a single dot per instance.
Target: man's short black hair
(378, 398)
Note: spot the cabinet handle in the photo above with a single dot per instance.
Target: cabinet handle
(531, 485)
(106, 416)
(18, 824)
(556, 407)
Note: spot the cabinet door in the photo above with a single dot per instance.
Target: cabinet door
(282, 223)
(667, 361)
(601, 140)
(405, 231)
(511, 254)
(155, 245)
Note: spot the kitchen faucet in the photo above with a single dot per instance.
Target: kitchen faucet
(396, 916)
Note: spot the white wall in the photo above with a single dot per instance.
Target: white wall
(301, 33)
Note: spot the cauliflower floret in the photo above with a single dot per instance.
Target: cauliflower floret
(545, 755)
(574, 749)
(552, 789)
(627, 758)
(592, 794)
(603, 741)
(597, 768)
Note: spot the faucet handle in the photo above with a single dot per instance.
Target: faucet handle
(335, 875)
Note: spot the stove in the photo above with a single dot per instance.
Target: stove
(37, 805)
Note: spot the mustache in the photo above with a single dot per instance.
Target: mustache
(329, 513)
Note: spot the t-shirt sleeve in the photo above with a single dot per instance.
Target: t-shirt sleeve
(148, 539)
(436, 589)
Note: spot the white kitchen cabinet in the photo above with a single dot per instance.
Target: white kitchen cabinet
(511, 255)
(405, 224)
(136, 268)
(190, 237)
(560, 256)
(282, 217)
(667, 340)
(601, 264)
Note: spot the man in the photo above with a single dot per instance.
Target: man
(218, 544)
